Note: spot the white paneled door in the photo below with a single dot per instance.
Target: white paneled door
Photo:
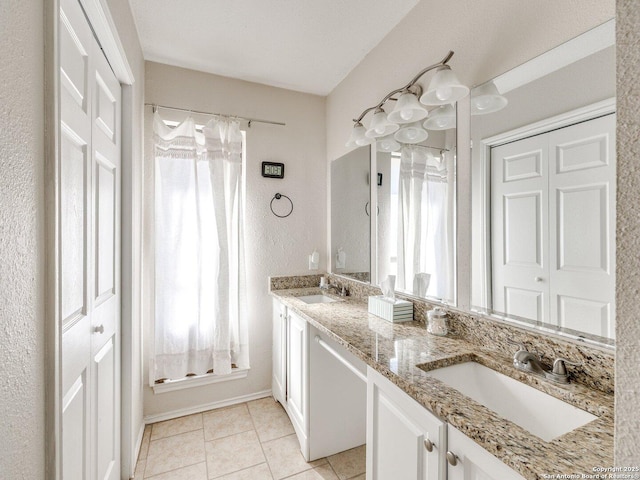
(553, 223)
(88, 217)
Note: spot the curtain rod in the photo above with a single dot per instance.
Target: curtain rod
(155, 106)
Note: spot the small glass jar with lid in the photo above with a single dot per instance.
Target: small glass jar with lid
(437, 322)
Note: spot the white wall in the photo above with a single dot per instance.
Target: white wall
(21, 240)
(275, 246)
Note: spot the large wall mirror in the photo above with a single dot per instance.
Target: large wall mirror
(350, 211)
(544, 190)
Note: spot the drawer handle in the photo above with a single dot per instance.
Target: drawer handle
(452, 458)
(428, 445)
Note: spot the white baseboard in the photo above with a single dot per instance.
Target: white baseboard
(137, 448)
(203, 408)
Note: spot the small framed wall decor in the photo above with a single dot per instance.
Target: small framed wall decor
(273, 170)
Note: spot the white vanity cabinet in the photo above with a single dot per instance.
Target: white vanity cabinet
(472, 462)
(289, 380)
(297, 377)
(404, 440)
(321, 386)
(279, 353)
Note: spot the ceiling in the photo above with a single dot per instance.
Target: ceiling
(303, 45)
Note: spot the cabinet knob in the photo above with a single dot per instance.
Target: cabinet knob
(452, 458)
(99, 329)
(537, 279)
(428, 445)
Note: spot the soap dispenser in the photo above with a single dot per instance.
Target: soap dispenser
(314, 260)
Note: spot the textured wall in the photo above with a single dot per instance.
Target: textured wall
(21, 236)
(627, 435)
(274, 245)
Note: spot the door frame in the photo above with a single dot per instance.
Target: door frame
(104, 28)
(583, 114)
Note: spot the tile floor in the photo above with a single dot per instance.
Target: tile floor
(249, 441)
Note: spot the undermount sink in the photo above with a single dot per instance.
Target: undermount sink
(316, 299)
(541, 414)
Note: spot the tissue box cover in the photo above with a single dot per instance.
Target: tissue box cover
(391, 310)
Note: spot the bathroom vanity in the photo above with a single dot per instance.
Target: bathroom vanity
(418, 425)
(319, 383)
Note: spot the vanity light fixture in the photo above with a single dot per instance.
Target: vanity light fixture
(408, 109)
(444, 90)
(380, 125)
(358, 137)
(442, 118)
(485, 99)
(387, 144)
(411, 133)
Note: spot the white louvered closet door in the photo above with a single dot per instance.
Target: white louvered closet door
(88, 248)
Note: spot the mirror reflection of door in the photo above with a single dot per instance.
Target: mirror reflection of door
(553, 211)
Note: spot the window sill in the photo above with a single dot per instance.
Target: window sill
(198, 381)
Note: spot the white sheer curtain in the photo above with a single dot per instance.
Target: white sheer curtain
(425, 224)
(200, 317)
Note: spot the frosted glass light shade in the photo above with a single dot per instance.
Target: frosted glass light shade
(380, 125)
(442, 118)
(408, 109)
(387, 144)
(411, 133)
(444, 88)
(486, 99)
(358, 137)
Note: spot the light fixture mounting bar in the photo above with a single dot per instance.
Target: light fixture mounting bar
(409, 85)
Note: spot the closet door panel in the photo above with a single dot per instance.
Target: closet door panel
(582, 211)
(519, 204)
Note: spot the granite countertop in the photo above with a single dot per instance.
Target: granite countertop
(404, 352)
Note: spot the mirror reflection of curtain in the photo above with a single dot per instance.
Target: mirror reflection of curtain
(425, 228)
(200, 314)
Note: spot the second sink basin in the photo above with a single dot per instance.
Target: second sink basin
(316, 299)
(541, 414)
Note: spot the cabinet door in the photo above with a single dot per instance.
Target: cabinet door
(297, 373)
(400, 433)
(278, 383)
(474, 462)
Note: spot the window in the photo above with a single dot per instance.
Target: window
(199, 318)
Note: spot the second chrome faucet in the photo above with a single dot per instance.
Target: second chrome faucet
(532, 362)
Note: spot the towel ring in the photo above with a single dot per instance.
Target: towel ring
(366, 209)
(278, 196)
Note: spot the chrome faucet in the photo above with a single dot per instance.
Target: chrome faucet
(559, 372)
(532, 362)
(340, 291)
(527, 361)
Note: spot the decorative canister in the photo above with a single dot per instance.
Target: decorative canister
(437, 322)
